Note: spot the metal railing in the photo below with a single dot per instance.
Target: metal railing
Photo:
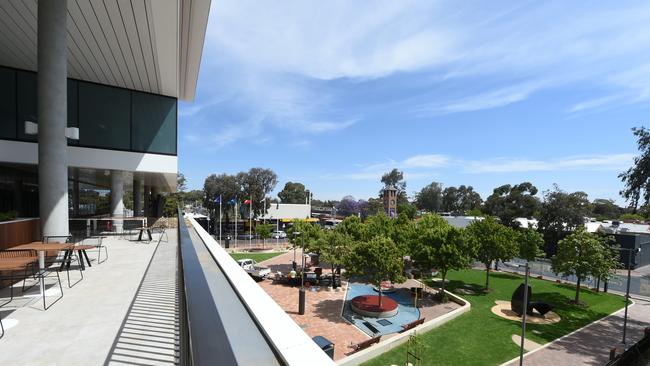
(226, 317)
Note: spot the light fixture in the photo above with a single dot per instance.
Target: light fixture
(31, 128)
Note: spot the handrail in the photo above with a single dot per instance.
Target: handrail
(288, 341)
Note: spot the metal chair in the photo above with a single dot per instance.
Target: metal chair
(68, 256)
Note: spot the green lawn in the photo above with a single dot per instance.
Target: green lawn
(479, 337)
(258, 257)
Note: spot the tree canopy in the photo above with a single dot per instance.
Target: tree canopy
(560, 214)
(430, 197)
(581, 254)
(509, 202)
(637, 177)
(461, 199)
(493, 242)
(293, 193)
(376, 260)
(530, 244)
(441, 246)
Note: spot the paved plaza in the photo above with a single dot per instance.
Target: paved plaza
(323, 308)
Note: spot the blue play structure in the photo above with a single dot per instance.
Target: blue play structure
(406, 312)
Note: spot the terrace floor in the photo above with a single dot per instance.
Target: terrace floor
(124, 311)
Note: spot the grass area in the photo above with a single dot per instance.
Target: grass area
(258, 257)
(479, 337)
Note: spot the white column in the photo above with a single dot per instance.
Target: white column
(147, 200)
(52, 117)
(137, 197)
(117, 198)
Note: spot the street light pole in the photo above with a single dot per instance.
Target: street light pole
(523, 318)
(627, 291)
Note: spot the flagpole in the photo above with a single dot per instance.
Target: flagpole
(235, 224)
(220, 219)
(250, 224)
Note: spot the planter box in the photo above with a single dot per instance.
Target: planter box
(19, 231)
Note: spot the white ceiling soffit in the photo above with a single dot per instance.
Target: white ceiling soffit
(148, 45)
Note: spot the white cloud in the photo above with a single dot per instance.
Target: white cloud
(426, 161)
(614, 162)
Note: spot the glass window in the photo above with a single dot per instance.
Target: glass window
(104, 116)
(7, 103)
(154, 123)
(27, 107)
(28, 104)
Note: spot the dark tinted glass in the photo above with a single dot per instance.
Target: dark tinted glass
(7, 103)
(104, 116)
(154, 123)
(27, 107)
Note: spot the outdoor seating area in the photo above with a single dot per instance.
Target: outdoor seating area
(91, 310)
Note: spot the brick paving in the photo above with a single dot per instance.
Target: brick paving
(591, 345)
(323, 308)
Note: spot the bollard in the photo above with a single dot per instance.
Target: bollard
(612, 353)
(301, 301)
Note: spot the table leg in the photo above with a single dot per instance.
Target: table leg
(65, 260)
(87, 259)
(81, 260)
(140, 235)
(149, 233)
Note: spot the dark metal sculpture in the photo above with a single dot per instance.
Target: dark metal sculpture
(517, 303)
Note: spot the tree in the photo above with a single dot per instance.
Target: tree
(632, 217)
(607, 262)
(378, 225)
(430, 197)
(348, 206)
(530, 244)
(264, 231)
(333, 248)
(407, 209)
(493, 242)
(181, 182)
(509, 202)
(580, 254)
(293, 193)
(377, 260)
(374, 207)
(395, 178)
(637, 177)
(352, 227)
(605, 209)
(255, 185)
(225, 186)
(441, 246)
(403, 233)
(560, 214)
(303, 234)
(461, 199)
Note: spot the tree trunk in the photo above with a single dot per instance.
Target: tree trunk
(605, 286)
(598, 285)
(578, 291)
(379, 294)
(487, 276)
(442, 286)
(333, 277)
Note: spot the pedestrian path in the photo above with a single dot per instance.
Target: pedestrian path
(591, 344)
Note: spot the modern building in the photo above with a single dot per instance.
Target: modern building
(89, 94)
(108, 76)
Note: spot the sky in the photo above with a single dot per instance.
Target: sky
(333, 94)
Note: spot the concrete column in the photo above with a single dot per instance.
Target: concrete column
(147, 200)
(137, 197)
(155, 201)
(117, 198)
(52, 117)
(75, 194)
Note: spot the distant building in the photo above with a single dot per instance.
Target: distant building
(628, 236)
(390, 201)
(461, 221)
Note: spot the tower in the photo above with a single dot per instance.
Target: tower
(390, 201)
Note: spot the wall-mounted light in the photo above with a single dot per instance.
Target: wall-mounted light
(31, 128)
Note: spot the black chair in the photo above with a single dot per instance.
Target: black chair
(68, 256)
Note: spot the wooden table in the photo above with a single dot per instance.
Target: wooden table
(142, 229)
(54, 247)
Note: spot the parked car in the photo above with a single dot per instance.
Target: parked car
(246, 236)
(253, 269)
(279, 234)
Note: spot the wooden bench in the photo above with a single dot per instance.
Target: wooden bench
(365, 344)
(411, 325)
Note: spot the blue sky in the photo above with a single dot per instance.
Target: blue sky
(333, 94)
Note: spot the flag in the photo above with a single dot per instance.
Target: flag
(218, 199)
(248, 202)
(232, 201)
